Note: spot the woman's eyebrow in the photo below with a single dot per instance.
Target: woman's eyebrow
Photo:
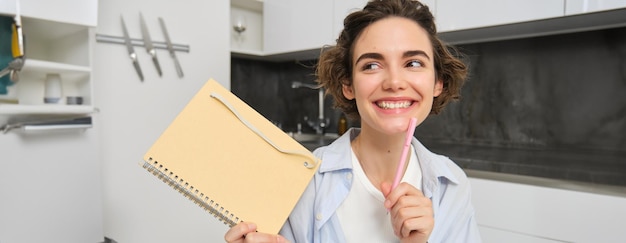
(378, 56)
(415, 53)
(372, 55)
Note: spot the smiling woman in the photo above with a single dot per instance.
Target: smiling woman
(394, 71)
(387, 68)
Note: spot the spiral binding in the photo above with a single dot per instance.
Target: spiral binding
(189, 192)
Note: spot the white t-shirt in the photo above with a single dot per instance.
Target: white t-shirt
(362, 215)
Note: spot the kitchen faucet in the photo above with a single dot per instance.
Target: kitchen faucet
(321, 123)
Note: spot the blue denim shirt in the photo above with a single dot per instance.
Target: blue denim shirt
(314, 218)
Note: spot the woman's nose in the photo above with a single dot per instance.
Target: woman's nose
(394, 80)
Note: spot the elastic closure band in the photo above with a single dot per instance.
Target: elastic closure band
(260, 134)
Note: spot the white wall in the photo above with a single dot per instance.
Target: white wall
(522, 213)
(137, 206)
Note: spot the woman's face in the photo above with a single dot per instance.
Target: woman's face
(393, 75)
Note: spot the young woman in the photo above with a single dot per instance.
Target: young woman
(388, 66)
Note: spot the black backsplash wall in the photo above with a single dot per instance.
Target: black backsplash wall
(567, 90)
(562, 97)
(266, 86)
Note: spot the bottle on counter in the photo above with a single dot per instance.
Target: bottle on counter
(342, 127)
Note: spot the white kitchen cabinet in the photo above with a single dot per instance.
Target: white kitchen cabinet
(58, 39)
(291, 28)
(541, 210)
(296, 25)
(432, 5)
(589, 6)
(57, 175)
(341, 9)
(7, 7)
(81, 12)
(246, 43)
(250, 40)
(53, 47)
(297, 29)
(453, 15)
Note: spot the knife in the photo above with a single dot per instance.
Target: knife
(147, 42)
(131, 50)
(170, 48)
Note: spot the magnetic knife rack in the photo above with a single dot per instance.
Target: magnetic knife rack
(139, 42)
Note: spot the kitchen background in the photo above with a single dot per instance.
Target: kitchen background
(84, 185)
(552, 106)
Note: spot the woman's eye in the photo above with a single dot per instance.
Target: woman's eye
(370, 66)
(414, 63)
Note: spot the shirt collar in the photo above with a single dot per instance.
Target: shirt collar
(338, 153)
(433, 165)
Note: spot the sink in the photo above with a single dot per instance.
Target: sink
(308, 137)
(312, 141)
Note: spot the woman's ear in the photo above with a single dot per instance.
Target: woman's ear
(348, 91)
(438, 88)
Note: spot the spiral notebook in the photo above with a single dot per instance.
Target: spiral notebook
(227, 158)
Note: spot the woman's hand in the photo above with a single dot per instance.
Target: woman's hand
(246, 232)
(411, 212)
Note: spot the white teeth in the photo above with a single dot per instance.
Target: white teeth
(393, 105)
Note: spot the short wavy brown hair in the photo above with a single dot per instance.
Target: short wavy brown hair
(334, 68)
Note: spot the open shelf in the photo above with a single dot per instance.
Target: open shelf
(51, 109)
(51, 47)
(41, 66)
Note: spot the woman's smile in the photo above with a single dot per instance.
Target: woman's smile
(387, 104)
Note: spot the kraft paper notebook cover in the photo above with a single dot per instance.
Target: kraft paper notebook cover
(230, 160)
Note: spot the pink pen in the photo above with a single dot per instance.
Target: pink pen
(405, 152)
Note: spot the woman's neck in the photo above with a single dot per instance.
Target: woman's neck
(378, 154)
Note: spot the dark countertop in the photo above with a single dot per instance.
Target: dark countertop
(579, 167)
(589, 166)
(610, 190)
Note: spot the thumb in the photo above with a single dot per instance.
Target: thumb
(385, 188)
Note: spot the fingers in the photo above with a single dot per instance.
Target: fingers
(406, 220)
(410, 211)
(404, 189)
(265, 238)
(238, 232)
(421, 221)
(246, 232)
